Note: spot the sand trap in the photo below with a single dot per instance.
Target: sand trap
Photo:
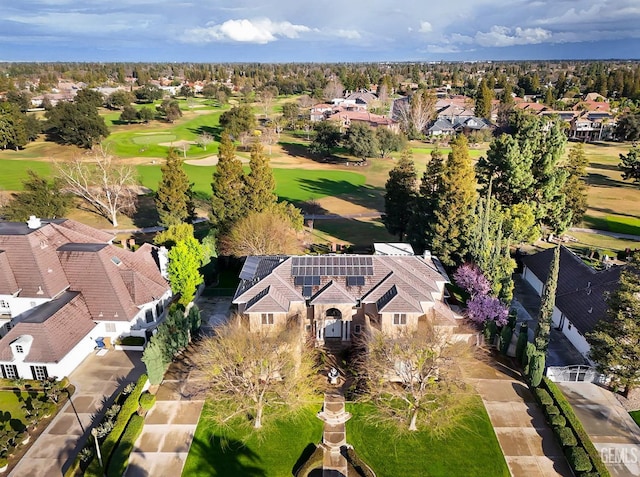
(177, 144)
(210, 161)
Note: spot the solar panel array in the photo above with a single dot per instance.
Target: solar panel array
(331, 265)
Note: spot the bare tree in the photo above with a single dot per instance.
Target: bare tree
(334, 89)
(262, 233)
(268, 137)
(205, 139)
(106, 184)
(415, 114)
(254, 373)
(267, 96)
(413, 378)
(305, 101)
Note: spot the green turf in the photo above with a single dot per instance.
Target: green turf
(636, 416)
(153, 138)
(623, 225)
(14, 172)
(216, 453)
(11, 408)
(293, 185)
(472, 450)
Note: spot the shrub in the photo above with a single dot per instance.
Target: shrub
(523, 339)
(576, 425)
(131, 341)
(557, 420)
(578, 459)
(551, 410)
(3, 461)
(529, 351)
(147, 400)
(536, 369)
(120, 457)
(544, 398)
(505, 339)
(566, 436)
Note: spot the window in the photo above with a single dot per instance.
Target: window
(4, 304)
(357, 329)
(399, 319)
(334, 313)
(39, 372)
(110, 327)
(569, 325)
(148, 316)
(9, 371)
(267, 318)
(19, 349)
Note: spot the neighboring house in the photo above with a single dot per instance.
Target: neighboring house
(65, 288)
(580, 296)
(333, 298)
(345, 118)
(441, 127)
(592, 126)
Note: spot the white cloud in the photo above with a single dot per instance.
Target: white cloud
(500, 36)
(425, 27)
(348, 34)
(259, 31)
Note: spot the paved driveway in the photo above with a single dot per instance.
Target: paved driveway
(168, 431)
(97, 381)
(611, 428)
(527, 442)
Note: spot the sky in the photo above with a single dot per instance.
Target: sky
(317, 31)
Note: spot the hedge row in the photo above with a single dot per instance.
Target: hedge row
(120, 457)
(129, 407)
(575, 425)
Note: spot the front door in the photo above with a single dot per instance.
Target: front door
(332, 328)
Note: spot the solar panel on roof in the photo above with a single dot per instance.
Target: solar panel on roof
(307, 292)
(355, 281)
(331, 265)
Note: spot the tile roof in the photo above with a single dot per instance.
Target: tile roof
(8, 284)
(582, 291)
(415, 278)
(56, 327)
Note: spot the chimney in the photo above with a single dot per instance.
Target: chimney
(34, 222)
(123, 242)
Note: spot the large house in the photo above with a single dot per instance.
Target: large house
(333, 298)
(64, 288)
(580, 295)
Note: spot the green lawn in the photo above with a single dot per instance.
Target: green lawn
(14, 172)
(11, 408)
(293, 185)
(470, 451)
(274, 454)
(636, 416)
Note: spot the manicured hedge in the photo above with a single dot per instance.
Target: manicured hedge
(313, 462)
(147, 400)
(551, 410)
(566, 436)
(578, 459)
(557, 420)
(574, 423)
(120, 457)
(544, 398)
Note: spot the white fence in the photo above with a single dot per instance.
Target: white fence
(575, 373)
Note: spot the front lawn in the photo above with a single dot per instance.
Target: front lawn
(221, 453)
(471, 450)
(636, 416)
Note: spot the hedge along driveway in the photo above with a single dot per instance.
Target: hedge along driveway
(294, 185)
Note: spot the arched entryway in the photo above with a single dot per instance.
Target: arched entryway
(333, 323)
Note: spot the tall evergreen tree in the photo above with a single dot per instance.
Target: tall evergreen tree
(615, 341)
(630, 165)
(39, 197)
(575, 188)
(483, 98)
(547, 303)
(227, 198)
(455, 205)
(259, 191)
(400, 198)
(422, 220)
(174, 197)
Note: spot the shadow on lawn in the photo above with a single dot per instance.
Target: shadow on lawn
(602, 180)
(226, 458)
(362, 195)
(606, 167)
(215, 131)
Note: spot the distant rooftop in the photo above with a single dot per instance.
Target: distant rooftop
(393, 249)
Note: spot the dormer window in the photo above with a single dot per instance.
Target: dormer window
(19, 349)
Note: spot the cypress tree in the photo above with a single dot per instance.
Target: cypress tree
(227, 198)
(173, 198)
(547, 303)
(456, 202)
(575, 188)
(483, 98)
(260, 184)
(523, 339)
(400, 198)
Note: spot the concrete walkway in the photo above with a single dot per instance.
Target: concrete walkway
(168, 432)
(527, 442)
(97, 380)
(610, 427)
(334, 435)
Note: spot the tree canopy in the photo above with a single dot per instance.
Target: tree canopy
(76, 123)
(228, 186)
(360, 140)
(40, 197)
(174, 195)
(400, 196)
(238, 120)
(630, 165)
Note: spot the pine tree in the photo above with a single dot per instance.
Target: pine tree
(483, 98)
(39, 197)
(174, 196)
(547, 303)
(455, 205)
(227, 199)
(422, 220)
(615, 340)
(575, 188)
(260, 184)
(400, 198)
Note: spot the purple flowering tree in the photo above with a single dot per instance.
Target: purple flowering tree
(469, 277)
(482, 308)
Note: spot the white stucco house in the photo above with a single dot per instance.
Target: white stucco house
(580, 296)
(64, 288)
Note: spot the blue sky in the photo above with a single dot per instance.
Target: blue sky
(329, 30)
